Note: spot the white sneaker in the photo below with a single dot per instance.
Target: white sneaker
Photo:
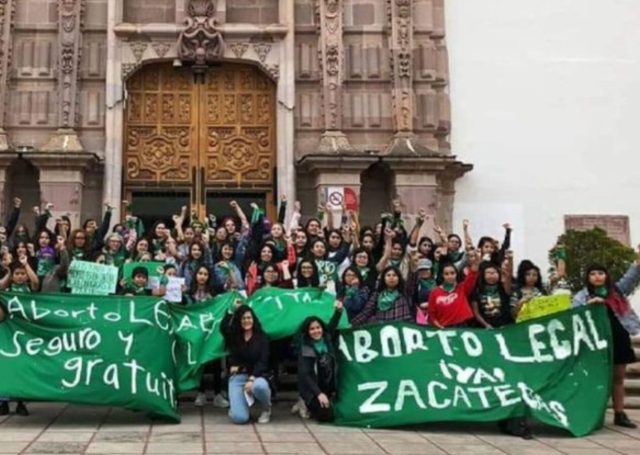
(265, 416)
(201, 399)
(303, 412)
(295, 409)
(220, 402)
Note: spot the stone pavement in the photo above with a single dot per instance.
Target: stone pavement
(68, 429)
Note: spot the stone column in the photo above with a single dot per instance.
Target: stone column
(5, 162)
(69, 48)
(286, 104)
(62, 181)
(114, 117)
(7, 12)
(401, 46)
(331, 55)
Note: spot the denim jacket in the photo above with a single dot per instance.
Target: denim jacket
(626, 285)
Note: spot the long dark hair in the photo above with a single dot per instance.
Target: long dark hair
(303, 282)
(481, 284)
(444, 265)
(219, 256)
(608, 283)
(233, 337)
(433, 246)
(193, 288)
(525, 267)
(382, 286)
(304, 329)
(359, 250)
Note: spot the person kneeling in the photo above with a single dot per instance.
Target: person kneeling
(248, 348)
(317, 365)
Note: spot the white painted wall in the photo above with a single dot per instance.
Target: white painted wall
(546, 104)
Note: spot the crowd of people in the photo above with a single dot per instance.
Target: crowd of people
(378, 273)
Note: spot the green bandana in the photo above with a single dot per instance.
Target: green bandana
(77, 253)
(23, 288)
(449, 287)
(255, 215)
(364, 272)
(491, 290)
(428, 284)
(601, 291)
(350, 292)
(387, 298)
(320, 346)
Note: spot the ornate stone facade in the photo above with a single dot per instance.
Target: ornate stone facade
(355, 84)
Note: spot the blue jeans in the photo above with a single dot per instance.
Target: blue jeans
(238, 406)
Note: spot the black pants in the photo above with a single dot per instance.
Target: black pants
(212, 370)
(318, 412)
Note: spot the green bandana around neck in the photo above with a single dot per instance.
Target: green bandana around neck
(491, 289)
(364, 272)
(350, 292)
(428, 283)
(320, 346)
(601, 291)
(449, 287)
(387, 298)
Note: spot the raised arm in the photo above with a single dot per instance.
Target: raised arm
(468, 241)
(507, 272)
(629, 282)
(13, 217)
(415, 232)
(178, 221)
(282, 210)
(103, 229)
(388, 243)
(244, 222)
(442, 235)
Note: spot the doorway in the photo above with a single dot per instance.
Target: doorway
(199, 143)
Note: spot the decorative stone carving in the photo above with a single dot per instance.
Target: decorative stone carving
(262, 50)
(161, 48)
(127, 69)
(7, 11)
(330, 53)
(200, 43)
(239, 49)
(273, 70)
(138, 48)
(69, 49)
(401, 44)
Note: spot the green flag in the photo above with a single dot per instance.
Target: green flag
(556, 368)
(280, 312)
(113, 351)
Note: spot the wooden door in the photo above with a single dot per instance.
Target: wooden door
(214, 136)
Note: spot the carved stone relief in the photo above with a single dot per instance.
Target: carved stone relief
(7, 11)
(400, 44)
(200, 43)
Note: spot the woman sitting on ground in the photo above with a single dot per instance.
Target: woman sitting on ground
(317, 381)
(248, 363)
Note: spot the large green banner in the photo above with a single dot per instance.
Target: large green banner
(139, 353)
(112, 351)
(556, 369)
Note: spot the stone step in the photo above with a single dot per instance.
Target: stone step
(632, 386)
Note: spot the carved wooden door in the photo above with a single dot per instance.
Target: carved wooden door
(212, 136)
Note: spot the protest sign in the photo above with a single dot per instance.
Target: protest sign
(174, 289)
(544, 306)
(91, 278)
(556, 369)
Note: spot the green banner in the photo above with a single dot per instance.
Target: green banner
(113, 351)
(91, 278)
(556, 369)
(280, 311)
